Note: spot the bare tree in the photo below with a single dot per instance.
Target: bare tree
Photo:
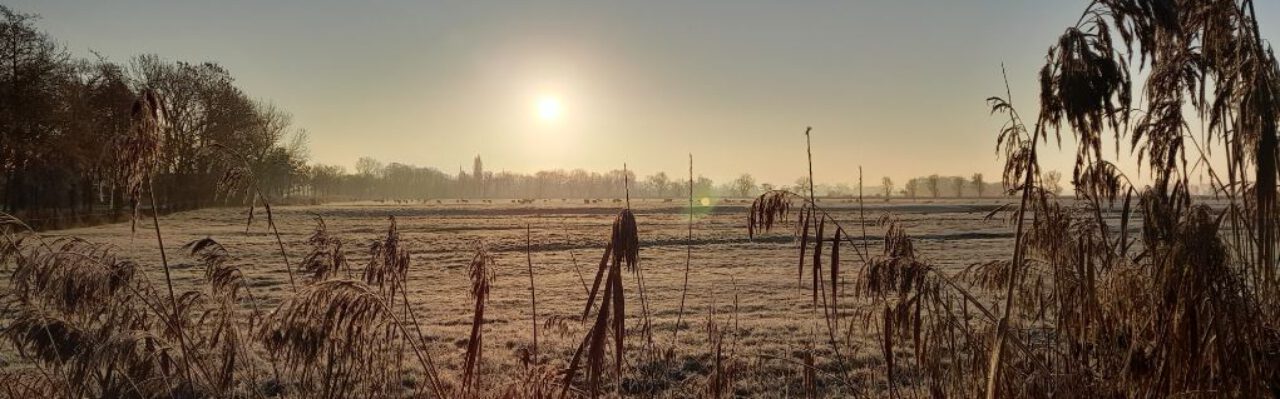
(1053, 182)
(932, 183)
(802, 184)
(478, 173)
(744, 185)
(887, 184)
(957, 182)
(659, 184)
(367, 166)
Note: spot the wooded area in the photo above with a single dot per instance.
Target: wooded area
(62, 116)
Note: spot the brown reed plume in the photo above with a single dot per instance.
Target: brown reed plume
(622, 251)
(482, 274)
(218, 328)
(338, 337)
(1089, 286)
(138, 151)
(911, 304)
(326, 257)
(341, 328)
(629, 249)
(239, 178)
(1022, 173)
(86, 321)
(388, 271)
(137, 154)
(388, 266)
(775, 206)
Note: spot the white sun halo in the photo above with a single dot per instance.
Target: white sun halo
(549, 108)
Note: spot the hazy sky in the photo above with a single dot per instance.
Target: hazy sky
(897, 86)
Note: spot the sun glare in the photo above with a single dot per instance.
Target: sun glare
(549, 108)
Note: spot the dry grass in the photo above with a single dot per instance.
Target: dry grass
(1124, 291)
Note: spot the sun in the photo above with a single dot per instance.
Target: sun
(549, 108)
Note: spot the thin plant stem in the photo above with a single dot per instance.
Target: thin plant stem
(688, 259)
(1002, 326)
(533, 290)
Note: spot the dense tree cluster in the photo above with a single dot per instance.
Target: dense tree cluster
(60, 117)
(937, 186)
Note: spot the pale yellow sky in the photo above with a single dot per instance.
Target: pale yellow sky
(897, 86)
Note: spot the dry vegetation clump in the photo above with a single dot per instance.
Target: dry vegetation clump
(92, 325)
(1165, 315)
(1187, 307)
(95, 327)
(623, 249)
(342, 328)
(326, 257)
(1085, 309)
(137, 152)
(726, 367)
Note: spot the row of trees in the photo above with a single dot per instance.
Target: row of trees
(936, 186)
(373, 179)
(932, 186)
(61, 116)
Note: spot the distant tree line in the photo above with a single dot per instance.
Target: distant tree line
(374, 180)
(932, 186)
(937, 186)
(60, 117)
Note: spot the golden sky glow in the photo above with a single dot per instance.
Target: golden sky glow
(896, 86)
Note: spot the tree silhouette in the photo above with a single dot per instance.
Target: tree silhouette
(957, 183)
(744, 185)
(1053, 182)
(60, 117)
(978, 184)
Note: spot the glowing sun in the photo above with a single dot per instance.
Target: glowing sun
(549, 108)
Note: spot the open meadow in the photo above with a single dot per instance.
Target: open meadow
(773, 319)
(645, 220)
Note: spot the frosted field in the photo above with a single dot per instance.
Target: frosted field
(774, 316)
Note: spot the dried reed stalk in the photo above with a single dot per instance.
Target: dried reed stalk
(622, 251)
(533, 289)
(240, 176)
(482, 274)
(688, 261)
(1029, 172)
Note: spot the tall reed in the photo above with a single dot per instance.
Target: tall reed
(623, 250)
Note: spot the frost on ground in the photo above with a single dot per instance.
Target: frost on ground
(775, 318)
